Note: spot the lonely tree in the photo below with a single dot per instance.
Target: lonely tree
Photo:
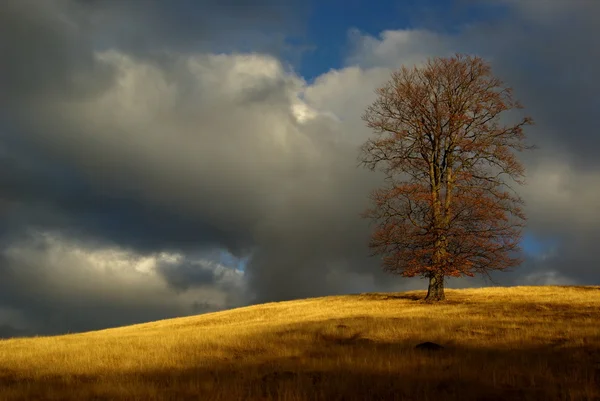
(441, 140)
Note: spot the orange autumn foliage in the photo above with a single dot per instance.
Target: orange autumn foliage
(447, 208)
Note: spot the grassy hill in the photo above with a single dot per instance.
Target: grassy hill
(517, 343)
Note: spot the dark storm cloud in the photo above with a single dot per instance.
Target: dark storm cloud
(48, 52)
(184, 151)
(183, 276)
(317, 244)
(143, 28)
(552, 55)
(42, 193)
(57, 287)
(7, 331)
(45, 52)
(48, 46)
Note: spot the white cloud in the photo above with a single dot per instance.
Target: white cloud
(201, 132)
(547, 278)
(262, 162)
(180, 126)
(61, 271)
(346, 92)
(394, 48)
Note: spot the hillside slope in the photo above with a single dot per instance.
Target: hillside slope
(530, 343)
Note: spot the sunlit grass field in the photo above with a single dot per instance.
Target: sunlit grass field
(517, 343)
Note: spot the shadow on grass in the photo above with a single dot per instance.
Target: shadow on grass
(375, 296)
(347, 366)
(276, 379)
(335, 362)
(584, 288)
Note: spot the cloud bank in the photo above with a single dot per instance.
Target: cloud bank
(139, 165)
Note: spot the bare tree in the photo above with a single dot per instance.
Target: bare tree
(446, 208)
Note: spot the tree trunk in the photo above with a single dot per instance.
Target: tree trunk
(436, 287)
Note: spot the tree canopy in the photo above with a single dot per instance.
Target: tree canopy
(448, 207)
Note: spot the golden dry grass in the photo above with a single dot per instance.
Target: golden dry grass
(517, 343)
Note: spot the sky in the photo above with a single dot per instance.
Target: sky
(168, 158)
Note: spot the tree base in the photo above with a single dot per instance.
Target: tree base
(435, 292)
